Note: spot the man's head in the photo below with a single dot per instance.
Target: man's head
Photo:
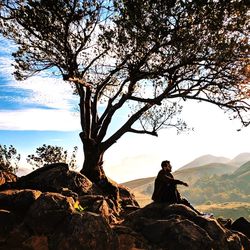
(166, 166)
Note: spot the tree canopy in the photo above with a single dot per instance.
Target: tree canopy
(9, 158)
(145, 56)
(48, 154)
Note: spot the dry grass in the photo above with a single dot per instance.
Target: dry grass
(142, 199)
(231, 210)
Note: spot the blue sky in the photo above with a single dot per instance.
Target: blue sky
(43, 110)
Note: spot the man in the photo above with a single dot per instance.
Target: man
(165, 189)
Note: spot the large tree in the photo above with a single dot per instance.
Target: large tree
(144, 56)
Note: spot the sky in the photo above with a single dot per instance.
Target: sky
(43, 110)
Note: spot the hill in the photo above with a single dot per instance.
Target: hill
(211, 183)
(240, 159)
(204, 160)
(143, 188)
(192, 175)
(237, 161)
(243, 171)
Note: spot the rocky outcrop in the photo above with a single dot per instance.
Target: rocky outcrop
(178, 227)
(55, 208)
(52, 222)
(241, 225)
(54, 178)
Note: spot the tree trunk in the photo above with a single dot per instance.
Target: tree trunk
(93, 161)
(93, 170)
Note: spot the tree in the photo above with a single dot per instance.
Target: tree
(9, 158)
(144, 56)
(47, 154)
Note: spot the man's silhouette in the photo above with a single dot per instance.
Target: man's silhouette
(165, 189)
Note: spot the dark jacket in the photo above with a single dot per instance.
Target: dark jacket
(165, 188)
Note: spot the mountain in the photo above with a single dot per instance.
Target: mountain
(191, 175)
(204, 160)
(214, 181)
(243, 172)
(138, 182)
(240, 159)
(143, 188)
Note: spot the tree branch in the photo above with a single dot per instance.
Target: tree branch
(154, 133)
(125, 128)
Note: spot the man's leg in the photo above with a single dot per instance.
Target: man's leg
(185, 202)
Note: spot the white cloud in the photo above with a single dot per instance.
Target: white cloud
(6, 69)
(40, 91)
(39, 119)
(54, 97)
(49, 92)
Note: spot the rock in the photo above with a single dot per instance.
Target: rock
(8, 221)
(84, 231)
(18, 201)
(36, 243)
(177, 226)
(100, 205)
(54, 178)
(244, 241)
(6, 176)
(129, 239)
(177, 234)
(160, 211)
(16, 238)
(242, 225)
(55, 208)
(48, 212)
(127, 199)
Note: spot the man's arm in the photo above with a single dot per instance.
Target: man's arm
(171, 180)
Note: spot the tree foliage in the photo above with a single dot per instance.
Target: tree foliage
(47, 154)
(148, 57)
(9, 158)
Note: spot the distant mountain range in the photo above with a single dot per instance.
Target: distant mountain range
(208, 159)
(202, 170)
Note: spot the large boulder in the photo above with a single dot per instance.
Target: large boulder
(18, 201)
(241, 225)
(48, 212)
(52, 222)
(8, 222)
(16, 237)
(176, 233)
(100, 205)
(84, 231)
(127, 199)
(54, 178)
(177, 226)
(129, 239)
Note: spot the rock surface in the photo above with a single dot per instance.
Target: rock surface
(55, 208)
(6, 176)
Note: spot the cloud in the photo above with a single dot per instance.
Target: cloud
(48, 92)
(6, 68)
(39, 119)
(41, 102)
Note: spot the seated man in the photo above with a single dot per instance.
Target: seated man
(165, 189)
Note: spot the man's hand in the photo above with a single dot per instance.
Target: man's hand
(184, 184)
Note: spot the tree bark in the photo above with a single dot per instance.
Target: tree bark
(93, 160)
